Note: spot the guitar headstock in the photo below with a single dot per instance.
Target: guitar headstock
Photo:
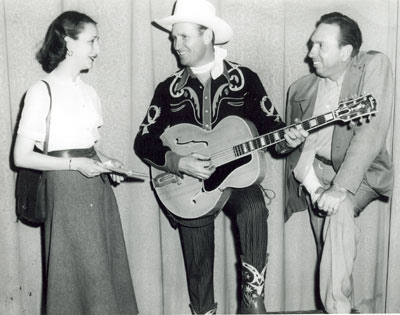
(363, 106)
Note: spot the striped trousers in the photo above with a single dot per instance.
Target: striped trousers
(247, 208)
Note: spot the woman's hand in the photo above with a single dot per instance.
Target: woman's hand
(113, 163)
(87, 167)
(116, 178)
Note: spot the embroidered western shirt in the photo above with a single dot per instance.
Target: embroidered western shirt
(181, 98)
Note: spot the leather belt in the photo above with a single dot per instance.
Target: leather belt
(73, 153)
(323, 160)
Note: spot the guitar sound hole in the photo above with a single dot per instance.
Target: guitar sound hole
(223, 172)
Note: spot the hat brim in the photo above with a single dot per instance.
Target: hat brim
(222, 30)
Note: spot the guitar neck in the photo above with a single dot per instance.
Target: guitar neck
(277, 136)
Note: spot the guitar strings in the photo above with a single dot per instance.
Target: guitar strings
(244, 148)
(230, 153)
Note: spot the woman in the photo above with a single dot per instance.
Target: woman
(86, 261)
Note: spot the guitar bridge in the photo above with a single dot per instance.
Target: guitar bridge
(166, 179)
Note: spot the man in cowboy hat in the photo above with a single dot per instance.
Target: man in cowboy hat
(206, 90)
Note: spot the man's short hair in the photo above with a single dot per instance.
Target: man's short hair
(350, 33)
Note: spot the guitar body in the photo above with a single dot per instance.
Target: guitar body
(191, 198)
(234, 147)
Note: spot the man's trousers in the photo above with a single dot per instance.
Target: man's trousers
(336, 238)
(247, 207)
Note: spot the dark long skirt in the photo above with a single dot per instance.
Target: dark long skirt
(86, 261)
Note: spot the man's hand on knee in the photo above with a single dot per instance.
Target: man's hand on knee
(331, 198)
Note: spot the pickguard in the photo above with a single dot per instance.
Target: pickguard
(222, 172)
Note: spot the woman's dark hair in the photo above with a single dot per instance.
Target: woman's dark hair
(350, 33)
(54, 48)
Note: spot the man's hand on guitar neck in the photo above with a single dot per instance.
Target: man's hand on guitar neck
(196, 165)
(295, 136)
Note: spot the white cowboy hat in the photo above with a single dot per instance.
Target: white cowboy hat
(200, 12)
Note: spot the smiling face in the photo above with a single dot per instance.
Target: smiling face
(194, 48)
(329, 59)
(85, 48)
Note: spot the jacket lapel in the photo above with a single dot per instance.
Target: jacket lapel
(306, 97)
(342, 133)
(352, 80)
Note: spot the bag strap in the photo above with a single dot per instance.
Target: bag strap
(48, 118)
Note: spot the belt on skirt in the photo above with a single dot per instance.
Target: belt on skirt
(72, 153)
(75, 153)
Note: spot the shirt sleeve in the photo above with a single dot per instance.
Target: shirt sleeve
(312, 183)
(98, 120)
(369, 138)
(35, 109)
(261, 111)
(148, 145)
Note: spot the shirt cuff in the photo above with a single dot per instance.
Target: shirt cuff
(172, 162)
(283, 148)
(344, 185)
(311, 183)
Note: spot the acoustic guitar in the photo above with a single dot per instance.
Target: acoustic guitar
(234, 147)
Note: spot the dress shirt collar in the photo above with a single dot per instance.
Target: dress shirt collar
(218, 69)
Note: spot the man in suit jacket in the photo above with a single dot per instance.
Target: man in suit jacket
(341, 168)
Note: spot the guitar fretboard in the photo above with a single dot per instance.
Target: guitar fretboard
(276, 136)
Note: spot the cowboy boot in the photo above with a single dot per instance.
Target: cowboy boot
(252, 289)
(209, 312)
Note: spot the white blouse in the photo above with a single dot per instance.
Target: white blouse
(75, 117)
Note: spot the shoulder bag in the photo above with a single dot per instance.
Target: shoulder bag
(31, 186)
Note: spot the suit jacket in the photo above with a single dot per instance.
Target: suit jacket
(358, 152)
